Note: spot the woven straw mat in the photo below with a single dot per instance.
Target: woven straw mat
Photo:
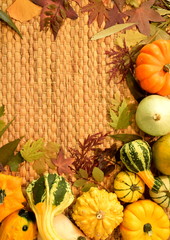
(57, 89)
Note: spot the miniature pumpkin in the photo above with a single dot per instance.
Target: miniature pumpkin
(163, 196)
(19, 225)
(97, 213)
(144, 219)
(11, 196)
(128, 186)
(153, 66)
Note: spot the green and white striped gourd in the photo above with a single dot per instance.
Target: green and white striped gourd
(136, 156)
(163, 196)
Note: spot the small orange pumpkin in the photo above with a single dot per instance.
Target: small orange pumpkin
(153, 67)
(11, 196)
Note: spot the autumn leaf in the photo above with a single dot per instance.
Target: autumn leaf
(121, 114)
(33, 150)
(23, 10)
(119, 3)
(54, 13)
(97, 10)
(114, 17)
(63, 164)
(143, 15)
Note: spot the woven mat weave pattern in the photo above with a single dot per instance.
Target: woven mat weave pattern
(56, 89)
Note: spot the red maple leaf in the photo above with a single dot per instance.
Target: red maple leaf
(143, 15)
(54, 13)
(63, 164)
(119, 3)
(114, 17)
(97, 10)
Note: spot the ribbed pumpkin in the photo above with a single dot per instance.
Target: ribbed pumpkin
(97, 213)
(128, 186)
(136, 156)
(163, 196)
(153, 67)
(144, 220)
(19, 225)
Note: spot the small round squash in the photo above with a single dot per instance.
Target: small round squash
(153, 67)
(143, 220)
(153, 115)
(97, 213)
(19, 225)
(163, 196)
(128, 186)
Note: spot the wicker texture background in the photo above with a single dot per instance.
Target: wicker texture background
(56, 89)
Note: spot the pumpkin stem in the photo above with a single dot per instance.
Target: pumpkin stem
(147, 228)
(166, 68)
(100, 215)
(2, 196)
(135, 187)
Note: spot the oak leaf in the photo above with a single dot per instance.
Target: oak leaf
(23, 10)
(63, 164)
(143, 15)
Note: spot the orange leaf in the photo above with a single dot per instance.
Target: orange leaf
(24, 10)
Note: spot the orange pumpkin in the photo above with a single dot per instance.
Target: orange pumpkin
(11, 196)
(153, 67)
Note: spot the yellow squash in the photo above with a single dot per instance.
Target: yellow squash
(144, 220)
(128, 186)
(97, 213)
(19, 225)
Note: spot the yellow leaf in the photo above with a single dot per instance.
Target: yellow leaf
(23, 10)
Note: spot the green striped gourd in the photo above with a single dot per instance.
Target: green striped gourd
(163, 196)
(49, 196)
(136, 156)
(128, 186)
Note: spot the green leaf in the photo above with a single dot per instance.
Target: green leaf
(8, 20)
(111, 30)
(162, 11)
(79, 183)
(122, 118)
(5, 128)
(134, 87)
(15, 161)
(158, 33)
(2, 124)
(7, 151)
(131, 37)
(98, 174)
(83, 173)
(87, 186)
(125, 137)
(32, 151)
(2, 110)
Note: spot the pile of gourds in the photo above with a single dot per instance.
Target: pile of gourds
(96, 213)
